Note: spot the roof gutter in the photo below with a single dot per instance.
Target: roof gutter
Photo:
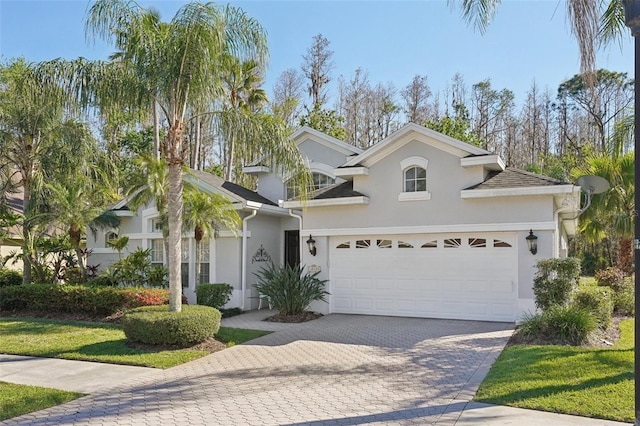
(297, 216)
(243, 278)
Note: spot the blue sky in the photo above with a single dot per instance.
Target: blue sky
(391, 40)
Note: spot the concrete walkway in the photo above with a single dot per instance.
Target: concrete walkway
(337, 370)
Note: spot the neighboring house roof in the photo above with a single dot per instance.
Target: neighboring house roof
(516, 178)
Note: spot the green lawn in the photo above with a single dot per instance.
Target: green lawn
(16, 400)
(590, 382)
(95, 342)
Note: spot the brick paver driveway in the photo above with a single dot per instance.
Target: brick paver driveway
(340, 369)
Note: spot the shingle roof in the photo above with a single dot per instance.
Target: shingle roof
(515, 178)
(247, 194)
(238, 190)
(340, 190)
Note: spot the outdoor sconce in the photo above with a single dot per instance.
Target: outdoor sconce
(311, 243)
(532, 242)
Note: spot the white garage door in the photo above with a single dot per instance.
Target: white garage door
(461, 276)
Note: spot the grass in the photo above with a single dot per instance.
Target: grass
(95, 342)
(235, 336)
(589, 382)
(16, 400)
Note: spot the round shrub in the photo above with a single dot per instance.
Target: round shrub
(624, 298)
(214, 295)
(610, 277)
(156, 325)
(598, 301)
(9, 277)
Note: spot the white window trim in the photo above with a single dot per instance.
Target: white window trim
(414, 196)
(405, 164)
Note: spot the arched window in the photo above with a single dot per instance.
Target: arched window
(109, 236)
(320, 180)
(414, 179)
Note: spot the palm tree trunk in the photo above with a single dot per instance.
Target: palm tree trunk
(156, 130)
(174, 207)
(26, 233)
(625, 255)
(227, 173)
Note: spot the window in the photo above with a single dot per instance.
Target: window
(156, 225)
(452, 242)
(363, 244)
(384, 243)
(184, 266)
(345, 245)
(320, 180)
(402, 244)
(430, 244)
(203, 269)
(157, 251)
(415, 180)
(501, 244)
(477, 242)
(110, 236)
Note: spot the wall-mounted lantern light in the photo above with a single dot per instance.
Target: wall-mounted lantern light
(532, 242)
(311, 243)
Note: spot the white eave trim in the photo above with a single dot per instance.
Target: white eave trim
(492, 162)
(256, 169)
(514, 192)
(436, 229)
(351, 171)
(345, 201)
(124, 213)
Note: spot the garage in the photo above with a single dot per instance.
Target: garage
(462, 276)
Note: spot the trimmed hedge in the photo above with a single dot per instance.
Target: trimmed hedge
(78, 298)
(598, 301)
(156, 325)
(214, 295)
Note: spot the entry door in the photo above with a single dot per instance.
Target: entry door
(292, 248)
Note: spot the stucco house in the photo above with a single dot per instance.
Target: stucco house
(419, 224)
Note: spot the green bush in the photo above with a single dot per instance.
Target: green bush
(598, 301)
(156, 325)
(78, 298)
(554, 281)
(610, 277)
(214, 295)
(560, 324)
(288, 289)
(9, 277)
(624, 298)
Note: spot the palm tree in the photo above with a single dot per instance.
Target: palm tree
(177, 65)
(591, 23)
(79, 204)
(205, 213)
(244, 97)
(37, 141)
(611, 213)
(119, 244)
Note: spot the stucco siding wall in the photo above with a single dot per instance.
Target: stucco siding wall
(319, 153)
(265, 241)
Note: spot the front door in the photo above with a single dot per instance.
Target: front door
(292, 248)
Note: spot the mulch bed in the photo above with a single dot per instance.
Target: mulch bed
(301, 317)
